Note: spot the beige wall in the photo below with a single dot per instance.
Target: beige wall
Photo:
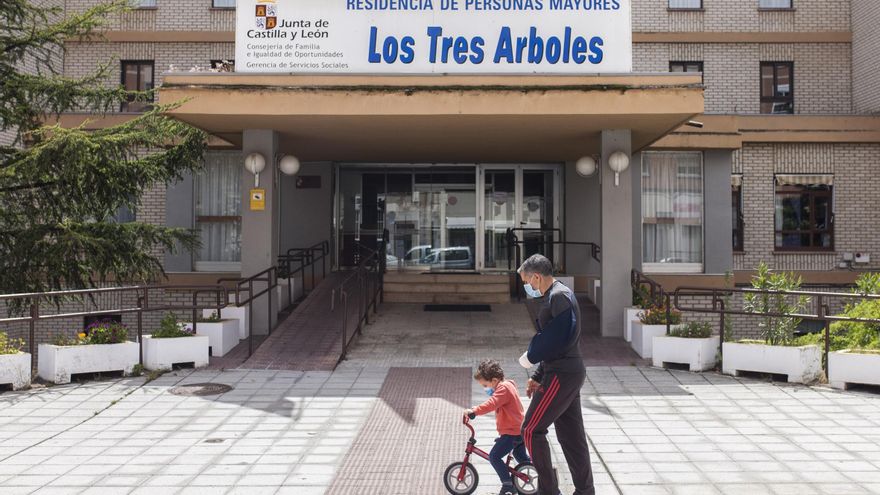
(866, 56)
(855, 200)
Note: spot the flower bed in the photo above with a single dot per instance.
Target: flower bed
(691, 344)
(103, 347)
(15, 365)
(174, 343)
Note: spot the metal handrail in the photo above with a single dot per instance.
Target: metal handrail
(306, 257)
(270, 277)
(718, 297)
(512, 240)
(33, 301)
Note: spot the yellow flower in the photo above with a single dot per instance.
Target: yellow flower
(81, 335)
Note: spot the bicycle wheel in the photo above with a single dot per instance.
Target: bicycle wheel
(526, 487)
(465, 486)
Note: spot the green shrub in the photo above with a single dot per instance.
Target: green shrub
(868, 283)
(106, 332)
(775, 330)
(656, 315)
(641, 297)
(170, 328)
(851, 334)
(214, 317)
(692, 330)
(10, 346)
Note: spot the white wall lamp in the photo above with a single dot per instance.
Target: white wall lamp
(586, 166)
(618, 162)
(255, 163)
(289, 165)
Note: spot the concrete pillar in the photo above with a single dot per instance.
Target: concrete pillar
(617, 234)
(259, 229)
(718, 221)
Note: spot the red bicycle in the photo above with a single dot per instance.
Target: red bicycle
(461, 478)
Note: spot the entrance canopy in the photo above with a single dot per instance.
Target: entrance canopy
(436, 118)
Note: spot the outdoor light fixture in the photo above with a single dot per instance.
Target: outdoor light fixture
(255, 163)
(618, 162)
(289, 165)
(586, 166)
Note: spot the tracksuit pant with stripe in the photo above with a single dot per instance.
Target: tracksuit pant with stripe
(558, 401)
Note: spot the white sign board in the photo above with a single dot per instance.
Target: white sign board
(434, 36)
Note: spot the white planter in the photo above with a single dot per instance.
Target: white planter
(284, 293)
(699, 354)
(163, 354)
(848, 368)
(630, 314)
(240, 314)
(15, 370)
(643, 338)
(800, 364)
(566, 281)
(57, 363)
(222, 335)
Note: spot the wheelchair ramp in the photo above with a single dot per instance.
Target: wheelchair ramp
(310, 339)
(412, 433)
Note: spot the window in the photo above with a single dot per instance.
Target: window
(686, 4)
(218, 213)
(137, 75)
(143, 4)
(804, 215)
(777, 87)
(223, 65)
(223, 4)
(672, 211)
(775, 4)
(125, 215)
(685, 66)
(737, 213)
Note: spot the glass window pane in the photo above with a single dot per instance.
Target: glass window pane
(146, 77)
(775, 4)
(224, 4)
(218, 208)
(783, 80)
(685, 4)
(130, 76)
(672, 208)
(766, 81)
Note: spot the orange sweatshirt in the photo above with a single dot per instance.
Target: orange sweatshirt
(507, 406)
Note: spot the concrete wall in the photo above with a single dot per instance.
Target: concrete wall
(583, 198)
(306, 214)
(866, 56)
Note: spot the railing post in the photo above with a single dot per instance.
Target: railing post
(250, 317)
(826, 323)
(270, 294)
(195, 310)
(668, 311)
(722, 322)
(344, 296)
(32, 333)
(140, 328)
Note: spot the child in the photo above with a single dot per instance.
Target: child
(504, 401)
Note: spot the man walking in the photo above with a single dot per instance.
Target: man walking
(556, 384)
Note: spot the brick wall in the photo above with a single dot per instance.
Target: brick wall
(866, 56)
(743, 16)
(856, 181)
(731, 73)
(186, 15)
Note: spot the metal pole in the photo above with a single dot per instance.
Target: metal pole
(721, 332)
(821, 312)
(195, 310)
(35, 313)
(250, 317)
(270, 293)
(140, 328)
(344, 296)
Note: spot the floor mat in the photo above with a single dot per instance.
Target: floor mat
(410, 435)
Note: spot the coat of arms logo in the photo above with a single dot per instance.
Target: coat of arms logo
(266, 15)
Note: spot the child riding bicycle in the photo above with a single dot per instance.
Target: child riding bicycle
(504, 401)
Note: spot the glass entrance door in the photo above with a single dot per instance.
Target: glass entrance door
(523, 198)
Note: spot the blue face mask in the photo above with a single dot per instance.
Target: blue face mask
(531, 291)
(489, 391)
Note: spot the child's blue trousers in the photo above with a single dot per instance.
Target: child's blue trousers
(503, 445)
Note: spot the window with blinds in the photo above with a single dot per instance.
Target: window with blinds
(685, 4)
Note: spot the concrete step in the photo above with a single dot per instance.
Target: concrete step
(445, 288)
(405, 277)
(462, 298)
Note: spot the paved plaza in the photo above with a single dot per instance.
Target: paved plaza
(387, 421)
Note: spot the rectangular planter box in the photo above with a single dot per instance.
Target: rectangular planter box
(57, 363)
(222, 335)
(163, 354)
(847, 368)
(15, 370)
(800, 364)
(241, 315)
(284, 293)
(698, 354)
(629, 314)
(643, 338)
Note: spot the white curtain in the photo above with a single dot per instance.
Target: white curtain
(685, 4)
(775, 4)
(672, 207)
(218, 203)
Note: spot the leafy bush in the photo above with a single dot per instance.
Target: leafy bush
(641, 297)
(214, 317)
(170, 328)
(775, 330)
(656, 315)
(692, 330)
(10, 346)
(106, 332)
(868, 283)
(851, 334)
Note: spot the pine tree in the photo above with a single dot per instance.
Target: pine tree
(60, 188)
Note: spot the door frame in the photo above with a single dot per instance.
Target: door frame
(518, 169)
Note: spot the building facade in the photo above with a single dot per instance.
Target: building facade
(779, 163)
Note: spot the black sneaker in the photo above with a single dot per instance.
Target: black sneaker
(507, 489)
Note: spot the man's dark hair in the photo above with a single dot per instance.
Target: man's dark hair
(538, 264)
(488, 370)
